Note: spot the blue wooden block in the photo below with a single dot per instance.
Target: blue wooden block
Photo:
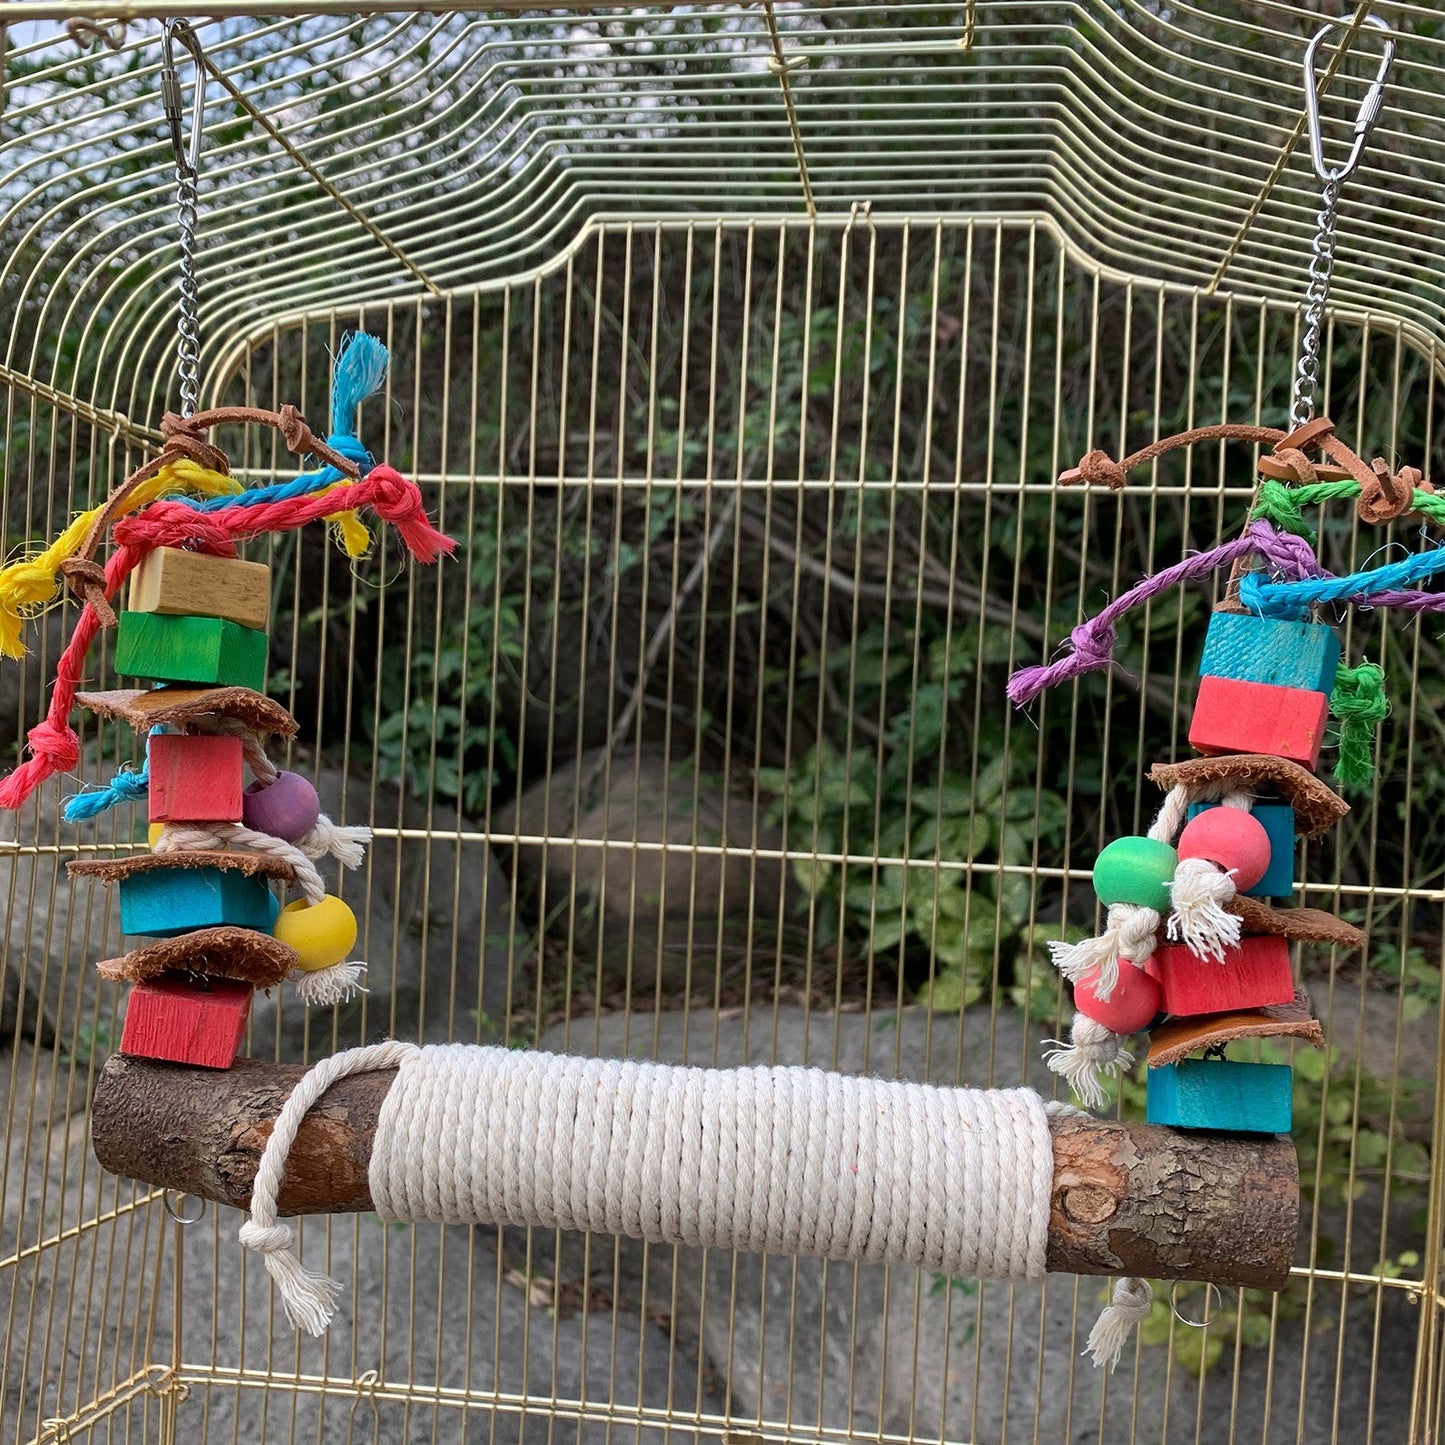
(1222, 1094)
(167, 901)
(1265, 649)
(1278, 821)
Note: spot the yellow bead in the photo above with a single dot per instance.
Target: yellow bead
(153, 835)
(322, 933)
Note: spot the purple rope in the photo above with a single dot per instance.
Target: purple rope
(1093, 641)
(1406, 601)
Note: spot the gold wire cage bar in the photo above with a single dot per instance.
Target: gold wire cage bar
(739, 347)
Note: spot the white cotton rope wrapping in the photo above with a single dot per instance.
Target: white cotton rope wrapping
(784, 1160)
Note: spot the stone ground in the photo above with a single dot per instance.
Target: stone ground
(856, 1350)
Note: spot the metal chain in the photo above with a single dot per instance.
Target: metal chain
(1322, 263)
(188, 320)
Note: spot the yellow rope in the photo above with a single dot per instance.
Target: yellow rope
(351, 531)
(29, 585)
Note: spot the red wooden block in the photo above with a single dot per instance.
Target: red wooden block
(1231, 716)
(186, 1022)
(195, 779)
(1255, 974)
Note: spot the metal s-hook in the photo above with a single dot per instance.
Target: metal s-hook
(188, 157)
(1370, 107)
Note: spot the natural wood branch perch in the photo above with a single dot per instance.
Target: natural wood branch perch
(1127, 1198)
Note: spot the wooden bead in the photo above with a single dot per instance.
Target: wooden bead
(1133, 1004)
(195, 778)
(1223, 1094)
(168, 901)
(190, 649)
(322, 933)
(1266, 649)
(1255, 973)
(287, 808)
(1135, 870)
(178, 583)
(153, 835)
(1233, 840)
(1255, 717)
(185, 1021)
(1278, 822)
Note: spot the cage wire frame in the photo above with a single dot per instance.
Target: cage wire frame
(101, 1283)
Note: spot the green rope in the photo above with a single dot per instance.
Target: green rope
(1284, 505)
(1359, 703)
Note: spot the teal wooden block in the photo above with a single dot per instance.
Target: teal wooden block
(1278, 821)
(190, 649)
(1265, 649)
(1235, 1098)
(163, 902)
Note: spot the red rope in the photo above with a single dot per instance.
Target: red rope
(54, 746)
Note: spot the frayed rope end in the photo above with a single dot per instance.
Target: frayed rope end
(1199, 920)
(1092, 1055)
(308, 1298)
(1128, 1308)
(324, 987)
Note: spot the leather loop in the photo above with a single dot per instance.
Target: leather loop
(86, 580)
(1301, 468)
(1100, 469)
(1391, 495)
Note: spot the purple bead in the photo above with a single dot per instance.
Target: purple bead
(287, 808)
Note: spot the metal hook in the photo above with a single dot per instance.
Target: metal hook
(1370, 107)
(188, 159)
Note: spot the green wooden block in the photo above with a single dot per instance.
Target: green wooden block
(190, 649)
(1265, 649)
(1235, 1098)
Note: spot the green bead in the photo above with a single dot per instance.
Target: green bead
(1136, 870)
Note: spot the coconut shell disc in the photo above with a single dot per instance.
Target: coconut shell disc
(109, 870)
(147, 707)
(1178, 1038)
(242, 954)
(1298, 925)
(1317, 808)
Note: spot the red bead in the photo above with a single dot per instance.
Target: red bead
(1133, 1005)
(1231, 838)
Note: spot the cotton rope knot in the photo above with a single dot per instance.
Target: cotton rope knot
(1130, 1306)
(266, 1239)
(1092, 1054)
(1098, 469)
(1198, 918)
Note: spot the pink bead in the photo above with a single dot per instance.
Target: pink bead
(1232, 839)
(1133, 1005)
(287, 808)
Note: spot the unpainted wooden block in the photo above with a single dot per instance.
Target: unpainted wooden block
(1255, 974)
(168, 901)
(1278, 822)
(1268, 649)
(178, 583)
(190, 649)
(195, 779)
(187, 1021)
(1255, 717)
(1222, 1094)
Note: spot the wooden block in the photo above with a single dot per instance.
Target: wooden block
(1265, 649)
(195, 779)
(178, 583)
(1255, 717)
(1223, 1094)
(1254, 974)
(186, 1021)
(190, 649)
(167, 901)
(1278, 822)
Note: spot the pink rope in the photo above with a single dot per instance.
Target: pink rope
(54, 746)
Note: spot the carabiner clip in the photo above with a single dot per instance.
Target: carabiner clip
(1370, 107)
(188, 158)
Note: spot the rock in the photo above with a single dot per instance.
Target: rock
(646, 913)
(434, 916)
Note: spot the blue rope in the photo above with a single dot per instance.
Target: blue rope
(129, 785)
(1294, 599)
(360, 372)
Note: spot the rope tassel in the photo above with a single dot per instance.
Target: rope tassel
(1092, 1055)
(1199, 920)
(1129, 1307)
(1129, 933)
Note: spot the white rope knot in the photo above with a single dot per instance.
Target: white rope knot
(1092, 1055)
(344, 842)
(196, 837)
(266, 1239)
(1199, 919)
(1129, 1307)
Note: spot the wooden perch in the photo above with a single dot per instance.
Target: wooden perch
(1127, 1198)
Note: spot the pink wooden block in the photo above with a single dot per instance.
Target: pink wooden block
(1231, 716)
(186, 1022)
(195, 779)
(1255, 974)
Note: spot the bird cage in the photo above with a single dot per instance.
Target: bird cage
(740, 348)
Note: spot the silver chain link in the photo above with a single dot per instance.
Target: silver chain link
(187, 156)
(1317, 293)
